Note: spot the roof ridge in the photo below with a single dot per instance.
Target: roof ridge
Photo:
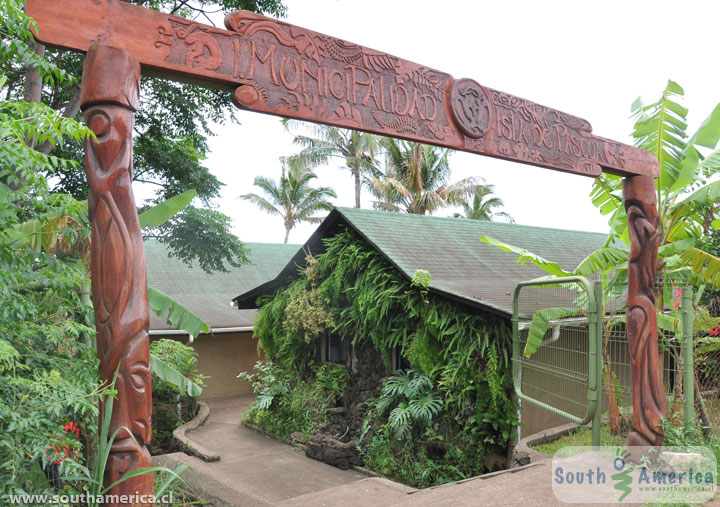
(344, 210)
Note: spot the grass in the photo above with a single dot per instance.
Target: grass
(581, 437)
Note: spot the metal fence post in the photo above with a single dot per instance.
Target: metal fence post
(598, 338)
(688, 357)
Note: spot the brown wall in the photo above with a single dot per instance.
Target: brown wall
(221, 357)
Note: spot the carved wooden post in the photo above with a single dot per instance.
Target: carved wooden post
(649, 403)
(109, 99)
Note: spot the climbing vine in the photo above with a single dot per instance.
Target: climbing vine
(361, 298)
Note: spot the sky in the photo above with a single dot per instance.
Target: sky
(590, 59)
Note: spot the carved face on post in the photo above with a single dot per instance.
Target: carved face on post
(119, 286)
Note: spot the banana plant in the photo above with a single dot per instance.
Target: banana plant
(66, 232)
(686, 196)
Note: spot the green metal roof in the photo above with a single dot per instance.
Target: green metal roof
(210, 295)
(460, 265)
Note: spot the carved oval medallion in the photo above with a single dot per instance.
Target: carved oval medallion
(471, 109)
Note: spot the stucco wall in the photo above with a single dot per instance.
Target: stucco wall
(221, 357)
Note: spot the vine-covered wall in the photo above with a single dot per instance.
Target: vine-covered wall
(353, 292)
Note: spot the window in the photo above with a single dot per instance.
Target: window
(336, 350)
(399, 361)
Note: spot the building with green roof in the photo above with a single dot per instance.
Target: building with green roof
(462, 268)
(229, 348)
(478, 278)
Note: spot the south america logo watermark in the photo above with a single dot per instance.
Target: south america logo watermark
(614, 474)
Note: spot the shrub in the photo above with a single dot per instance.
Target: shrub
(285, 403)
(171, 407)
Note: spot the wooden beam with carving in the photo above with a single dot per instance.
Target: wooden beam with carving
(109, 98)
(284, 70)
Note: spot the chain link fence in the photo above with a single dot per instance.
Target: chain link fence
(557, 373)
(707, 374)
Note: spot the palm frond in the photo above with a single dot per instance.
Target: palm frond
(602, 259)
(660, 128)
(525, 255)
(705, 265)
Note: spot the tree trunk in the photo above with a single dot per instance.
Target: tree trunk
(287, 233)
(33, 83)
(356, 175)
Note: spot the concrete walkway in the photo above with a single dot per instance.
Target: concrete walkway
(255, 470)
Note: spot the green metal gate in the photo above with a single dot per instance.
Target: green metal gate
(557, 348)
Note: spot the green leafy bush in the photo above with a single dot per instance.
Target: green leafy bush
(411, 402)
(286, 403)
(171, 406)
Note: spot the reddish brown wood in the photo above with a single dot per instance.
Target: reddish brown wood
(284, 70)
(649, 402)
(109, 98)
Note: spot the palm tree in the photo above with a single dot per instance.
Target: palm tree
(292, 198)
(482, 204)
(416, 179)
(358, 149)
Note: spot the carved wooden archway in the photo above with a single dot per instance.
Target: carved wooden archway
(276, 68)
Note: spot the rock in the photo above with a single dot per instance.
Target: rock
(296, 436)
(682, 460)
(519, 459)
(332, 451)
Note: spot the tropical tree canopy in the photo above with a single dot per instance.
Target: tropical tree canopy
(171, 129)
(416, 179)
(481, 205)
(292, 198)
(357, 149)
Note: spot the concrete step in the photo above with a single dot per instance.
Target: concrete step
(215, 485)
(375, 492)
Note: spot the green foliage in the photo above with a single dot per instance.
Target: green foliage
(480, 205)
(686, 200)
(292, 198)
(202, 235)
(463, 353)
(17, 39)
(422, 278)
(164, 211)
(48, 370)
(95, 479)
(170, 131)
(175, 383)
(411, 401)
(416, 179)
(325, 142)
(525, 255)
(307, 313)
(333, 379)
(286, 403)
(539, 325)
(176, 314)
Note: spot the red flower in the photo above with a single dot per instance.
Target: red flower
(676, 305)
(679, 293)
